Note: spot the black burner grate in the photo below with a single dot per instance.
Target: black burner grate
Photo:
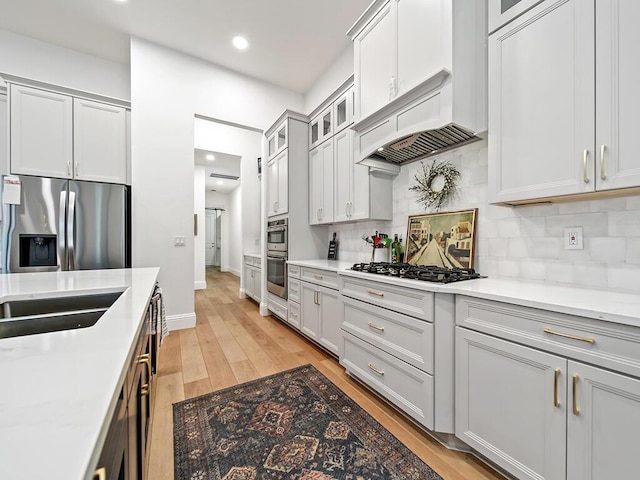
(427, 273)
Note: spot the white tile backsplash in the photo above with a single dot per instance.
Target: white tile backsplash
(522, 242)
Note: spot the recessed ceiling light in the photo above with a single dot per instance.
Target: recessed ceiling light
(219, 182)
(121, 1)
(210, 156)
(240, 43)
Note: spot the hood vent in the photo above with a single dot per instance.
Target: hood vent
(424, 144)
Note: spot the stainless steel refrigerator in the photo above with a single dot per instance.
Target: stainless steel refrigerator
(66, 225)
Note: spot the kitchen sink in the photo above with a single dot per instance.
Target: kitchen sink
(31, 317)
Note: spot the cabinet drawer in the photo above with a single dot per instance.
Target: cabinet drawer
(257, 262)
(408, 388)
(402, 336)
(326, 278)
(294, 289)
(598, 342)
(293, 271)
(400, 299)
(277, 309)
(248, 260)
(294, 314)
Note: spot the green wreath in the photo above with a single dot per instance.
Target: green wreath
(436, 183)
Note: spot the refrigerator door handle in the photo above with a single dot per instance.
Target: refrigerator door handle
(61, 230)
(71, 231)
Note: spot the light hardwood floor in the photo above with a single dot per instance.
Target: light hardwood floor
(232, 343)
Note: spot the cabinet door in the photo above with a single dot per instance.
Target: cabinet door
(617, 96)
(99, 142)
(420, 41)
(343, 151)
(541, 103)
(329, 327)
(283, 183)
(511, 406)
(272, 187)
(310, 310)
(41, 125)
(343, 111)
(321, 184)
(4, 137)
(603, 430)
(503, 11)
(248, 282)
(375, 63)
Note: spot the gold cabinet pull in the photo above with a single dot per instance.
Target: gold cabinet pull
(101, 473)
(376, 327)
(318, 277)
(377, 294)
(379, 372)
(573, 337)
(585, 172)
(576, 410)
(603, 171)
(144, 390)
(146, 359)
(556, 381)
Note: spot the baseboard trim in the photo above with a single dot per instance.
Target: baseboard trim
(201, 285)
(235, 272)
(242, 293)
(264, 309)
(182, 321)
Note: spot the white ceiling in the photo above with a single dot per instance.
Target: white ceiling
(223, 164)
(291, 41)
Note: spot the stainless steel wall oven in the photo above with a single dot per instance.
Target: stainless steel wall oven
(277, 257)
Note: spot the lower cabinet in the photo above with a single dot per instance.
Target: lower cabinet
(320, 319)
(252, 282)
(543, 412)
(114, 460)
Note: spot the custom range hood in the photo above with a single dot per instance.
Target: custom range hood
(442, 108)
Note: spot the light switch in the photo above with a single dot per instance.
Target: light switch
(179, 241)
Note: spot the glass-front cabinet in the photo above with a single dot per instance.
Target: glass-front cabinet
(502, 12)
(277, 142)
(343, 111)
(321, 127)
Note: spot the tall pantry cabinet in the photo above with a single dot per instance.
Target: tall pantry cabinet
(563, 122)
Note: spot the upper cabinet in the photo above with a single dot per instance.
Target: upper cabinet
(278, 185)
(56, 135)
(563, 122)
(502, 12)
(321, 127)
(4, 139)
(343, 111)
(278, 140)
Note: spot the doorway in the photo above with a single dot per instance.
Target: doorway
(213, 237)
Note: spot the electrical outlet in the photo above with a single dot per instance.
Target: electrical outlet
(573, 238)
(178, 241)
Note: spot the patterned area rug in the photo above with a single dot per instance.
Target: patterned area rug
(292, 425)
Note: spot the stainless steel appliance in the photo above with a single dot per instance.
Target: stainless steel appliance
(277, 232)
(427, 273)
(66, 225)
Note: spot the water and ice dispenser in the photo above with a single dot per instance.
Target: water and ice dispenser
(38, 250)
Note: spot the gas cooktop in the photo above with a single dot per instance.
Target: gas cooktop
(427, 273)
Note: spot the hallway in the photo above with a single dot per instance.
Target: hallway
(232, 343)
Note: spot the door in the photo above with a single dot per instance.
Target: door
(617, 97)
(99, 142)
(603, 423)
(511, 405)
(33, 232)
(541, 111)
(343, 111)
(98, 234)
(210, 238)
(218, 253)
(41, 134)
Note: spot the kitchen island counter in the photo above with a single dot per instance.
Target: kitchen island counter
(60, 388)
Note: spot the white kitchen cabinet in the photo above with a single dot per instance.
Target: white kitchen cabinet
(41, 132)
(501, 12)
(343, 111)
(278, 184)
(252, 278)
(529, 398)
(100, 142)
(505, 405)
(603, 430)
(542, 112)
(4, 135)
(321, 127)
(278, 140)
(321, 184)
(320, 320)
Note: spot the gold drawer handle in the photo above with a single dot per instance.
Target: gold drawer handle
(373, 292)
(556, 400)
(379, 372)
(146, 359)
(144, 390)
(377, 327)
(318, 277)
(101, 473)
(573, 337)
(576, 410)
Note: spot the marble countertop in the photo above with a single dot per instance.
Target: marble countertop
(57, 389)
(622, 308)
(254, 255)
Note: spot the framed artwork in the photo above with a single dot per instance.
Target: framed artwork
(445, 239)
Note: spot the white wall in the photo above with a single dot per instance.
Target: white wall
(333, 77)
(524, 242)
(200, 276)
(235, 231)
(167, 89)
(30, 58)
